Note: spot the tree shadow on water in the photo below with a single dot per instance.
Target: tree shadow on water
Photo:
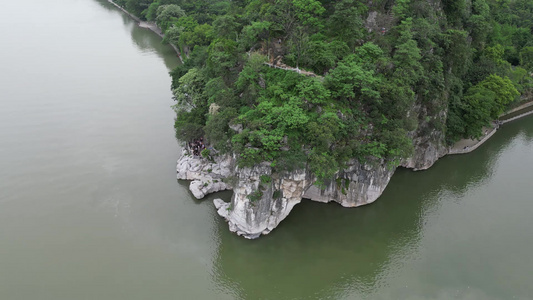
(144, 39)
(326, 251)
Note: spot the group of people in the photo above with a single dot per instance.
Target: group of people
(197, 146)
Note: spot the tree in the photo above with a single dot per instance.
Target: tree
(477, 108)
(483, 103)
(350, 81)
(189, 93)
(248, 82)
(254, 33)
(201, 35)
(407, 62)
(456, 58)
(320, 55)
(479, 22)
(222, 57)
(290, 14)
(526, 58)
(313, 91)
(189, 124)
(168, 14)
(346, 22)
(137, 7)
(226, 26)
(217, 130)
(308, 11)
(172, 35)
(151, 11)
(504, 92)
(298, 45)
(457, 51)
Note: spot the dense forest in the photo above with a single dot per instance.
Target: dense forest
(316, 83)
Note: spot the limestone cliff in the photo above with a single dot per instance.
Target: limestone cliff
(357, 185)
(251, 216)
(428, 138)
(262, 199)
(207, 176)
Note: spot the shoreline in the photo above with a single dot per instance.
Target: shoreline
(465, 146)
(148, 25)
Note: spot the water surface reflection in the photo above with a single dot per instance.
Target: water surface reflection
(329, 252)
(147, 43)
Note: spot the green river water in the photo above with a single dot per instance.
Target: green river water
(90, 207)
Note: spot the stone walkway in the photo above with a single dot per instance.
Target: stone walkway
(517, 113)
(528, 104)
(152, 26)
(297, 70)
(468, 145)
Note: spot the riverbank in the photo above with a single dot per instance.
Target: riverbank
(468, 145)
(148, 25)
(251, 214)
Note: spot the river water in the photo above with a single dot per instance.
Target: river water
(90, 207)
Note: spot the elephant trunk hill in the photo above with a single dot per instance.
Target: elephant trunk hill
(325, 99)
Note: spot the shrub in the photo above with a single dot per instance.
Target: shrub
(206, 153)
(255, 196)
(265, 179)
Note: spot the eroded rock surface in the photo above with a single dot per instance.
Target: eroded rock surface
(428, 140)
(207, 176)
(262, 199)
(357, 185)
(258, 206)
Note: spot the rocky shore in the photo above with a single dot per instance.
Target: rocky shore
(206, 176)
(250, 217)
(262, 199)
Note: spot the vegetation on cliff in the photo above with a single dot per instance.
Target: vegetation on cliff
(367, 66)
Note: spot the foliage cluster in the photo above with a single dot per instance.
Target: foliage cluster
(471, 59)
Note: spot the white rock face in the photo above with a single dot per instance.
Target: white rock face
(357, 185)
(207, 185)
(261, 200)
(222, 207)
(207, 176)
(428, 142)
(274, 200)
(277, 194)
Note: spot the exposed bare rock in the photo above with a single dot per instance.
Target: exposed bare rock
(262, 199)
(207, 185)
(207, 176)
(190, 167)
(357, 185)
(428, 141)
(371, 23)
(214, 108)
(237, 127)
(257, 208)
(378, 21)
